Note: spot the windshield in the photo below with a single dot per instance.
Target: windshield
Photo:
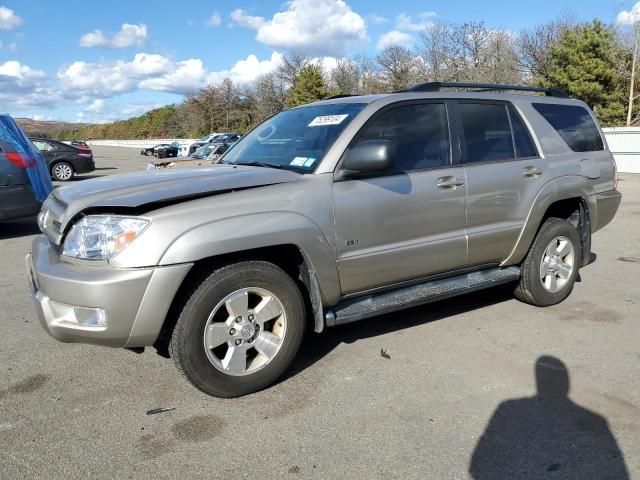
(203, 151)
(295, 139)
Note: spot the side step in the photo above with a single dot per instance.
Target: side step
(372, 305)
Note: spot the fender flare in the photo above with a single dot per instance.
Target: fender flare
(560, 188)
(259, 230)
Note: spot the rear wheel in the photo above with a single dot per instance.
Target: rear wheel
(62, 171)
(550, 269)
(240, 329)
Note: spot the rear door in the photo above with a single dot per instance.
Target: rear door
(504, 174)
(408, 222)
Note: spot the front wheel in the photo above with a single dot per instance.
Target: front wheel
(550, 269)
(240, 329)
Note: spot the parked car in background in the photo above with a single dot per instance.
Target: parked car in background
(20, 163)
(170, 151)
(226, 138)
(64, 161)
(187, 148)
(152, 150)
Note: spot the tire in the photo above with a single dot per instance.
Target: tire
(549, 283)
(62, 171)
(215, 306)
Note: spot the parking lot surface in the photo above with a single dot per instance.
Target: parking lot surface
(458, 398)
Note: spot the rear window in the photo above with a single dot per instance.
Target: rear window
(574, 124)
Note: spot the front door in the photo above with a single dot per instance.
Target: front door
(409, 222)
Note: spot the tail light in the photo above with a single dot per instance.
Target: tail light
(20, 160)
(615, 173)
(88, 155)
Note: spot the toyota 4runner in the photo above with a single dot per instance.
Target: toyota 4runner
(325, 214)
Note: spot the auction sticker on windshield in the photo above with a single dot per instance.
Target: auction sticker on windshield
(327, 120)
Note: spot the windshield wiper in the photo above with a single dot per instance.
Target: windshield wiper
(255, 163)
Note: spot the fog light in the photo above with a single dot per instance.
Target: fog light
(90, 317)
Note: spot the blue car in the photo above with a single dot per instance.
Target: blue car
(24, 177)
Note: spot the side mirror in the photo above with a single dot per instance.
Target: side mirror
(369, 156)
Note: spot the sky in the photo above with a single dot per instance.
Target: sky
(83, 61)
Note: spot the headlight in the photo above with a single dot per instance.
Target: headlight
(99, 237)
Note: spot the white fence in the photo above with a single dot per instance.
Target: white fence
(624, 143)
(139, 143)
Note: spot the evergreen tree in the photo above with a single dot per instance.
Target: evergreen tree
(582, 63)
(309, 86)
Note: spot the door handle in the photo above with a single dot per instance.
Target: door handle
(531, 171)
(449, 182)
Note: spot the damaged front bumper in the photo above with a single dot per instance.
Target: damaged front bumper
(100, 305)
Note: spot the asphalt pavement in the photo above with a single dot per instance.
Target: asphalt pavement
(481, 387)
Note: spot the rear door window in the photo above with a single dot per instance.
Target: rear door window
(574, 124)
(485, 132)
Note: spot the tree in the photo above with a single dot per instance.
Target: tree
(534, 45)
(309, 86)
(435, 51)
(398, 67)
(582, 64)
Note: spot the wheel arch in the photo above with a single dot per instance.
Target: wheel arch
(290, 257)
(570, 198)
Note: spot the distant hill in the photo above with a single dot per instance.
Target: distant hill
(47, 128)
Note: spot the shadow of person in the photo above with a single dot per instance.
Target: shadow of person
(547, 436)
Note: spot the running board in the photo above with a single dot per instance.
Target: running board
(372, 305)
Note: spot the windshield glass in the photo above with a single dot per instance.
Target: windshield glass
(295, 139)
(203, 151)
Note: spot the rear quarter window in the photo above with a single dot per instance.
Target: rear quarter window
(574, 124)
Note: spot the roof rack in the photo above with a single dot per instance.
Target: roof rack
(485, 87)
(343, 95)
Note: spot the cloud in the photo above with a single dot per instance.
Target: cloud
(8, 19)
(244, 71)
(407, 23)
(128, 36)
(394, 37)
(149, 71)
(95, 80)
(239, 17)
(214, 20)
(96, 106)
(315, 27)
(23, 87)
(629, 17)
(377, 19)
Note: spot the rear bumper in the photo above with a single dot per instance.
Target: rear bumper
(17, 201)
(607, 204)
(132, 302)
(86, 165)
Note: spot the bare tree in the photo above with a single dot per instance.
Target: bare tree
(398, 67)
(500, 63)
(535, 44)
(345, 77)
(290, 67)
(435, 51)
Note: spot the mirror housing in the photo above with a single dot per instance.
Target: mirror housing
(369, 156)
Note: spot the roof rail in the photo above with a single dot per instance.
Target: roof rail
(343, 95)
(486, 87)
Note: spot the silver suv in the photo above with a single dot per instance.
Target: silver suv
(322, 215)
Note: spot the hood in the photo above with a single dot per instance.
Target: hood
(148, 190)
